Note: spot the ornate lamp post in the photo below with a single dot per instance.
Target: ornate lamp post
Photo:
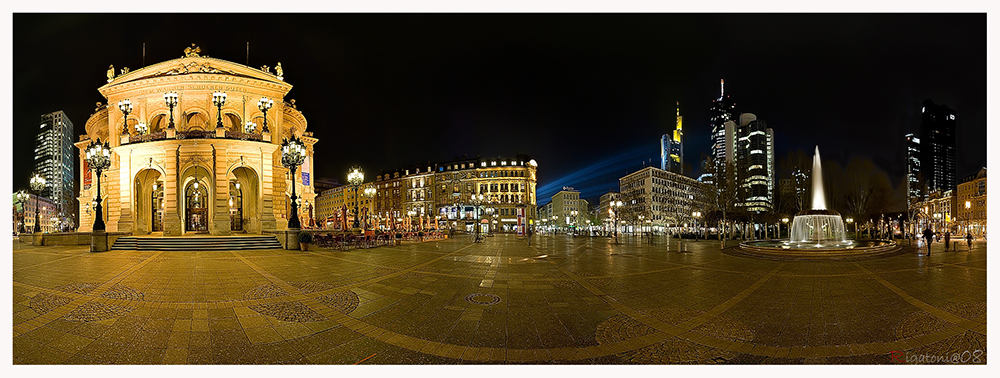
(37, 185)
(98, 157)
(293, 153)
(616, 205)
(785, 221)
(369, 193)
(219, 99)
(264, 104)
(170, 98)
(249, 127)
(356, 176)
(141, 128)
(477, 201)
(697, 218)
(22, 197)
(573, 214)
(126, 107)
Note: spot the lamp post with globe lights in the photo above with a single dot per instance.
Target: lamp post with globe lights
(37, 185)
(126, 107)
(98, 157)
(293, 153)
(616, 205)
(355, 177)
(170, 98)
(219, 99)
(21, 198)
(369, 193)
(264, 104)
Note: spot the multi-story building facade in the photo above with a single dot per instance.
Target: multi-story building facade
(450, 192)
(937, 146)
(723, 110)
(664, 198)
(54, 161)
(672, 147)
(914, 192)
(937, 212)
(755, 163)
(26, 208)
(567, 208)
(604, 208)
(970, 207)
(191, 165)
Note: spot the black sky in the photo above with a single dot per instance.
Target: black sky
(575, 92)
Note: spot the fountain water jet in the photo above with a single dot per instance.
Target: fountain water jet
(818, 226)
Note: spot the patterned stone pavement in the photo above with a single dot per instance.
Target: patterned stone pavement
(561, 300)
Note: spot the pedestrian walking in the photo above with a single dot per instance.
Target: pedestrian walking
(928, 237)
(947, 239)
(968, 239)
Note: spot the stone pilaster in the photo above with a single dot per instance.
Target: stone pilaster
(124, 196)
(268, 220)
(220, 205)
(172, 193)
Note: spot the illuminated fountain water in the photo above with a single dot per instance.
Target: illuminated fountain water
(817, 233)
(818, 226)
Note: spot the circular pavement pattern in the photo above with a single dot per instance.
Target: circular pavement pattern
(588, 302)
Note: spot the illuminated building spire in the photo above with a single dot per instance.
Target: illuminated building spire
(678, 130)
(722, 87)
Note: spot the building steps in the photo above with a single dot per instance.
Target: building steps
(208, 243)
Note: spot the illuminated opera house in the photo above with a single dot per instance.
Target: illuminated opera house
(195, 148)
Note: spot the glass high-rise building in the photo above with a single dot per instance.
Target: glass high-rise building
(672, 147)
(937, 146)
(755, 163)
(913, 192)
(721, 116)
(54, 161)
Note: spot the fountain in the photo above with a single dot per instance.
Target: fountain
(817, 233)
(817, 226)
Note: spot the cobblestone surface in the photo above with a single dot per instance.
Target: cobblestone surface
(311, 287)
(78, 288)
(966, 348)
(677, 351)
(288, 311)
(120, 291)
(93, 311)
(345, 301)
(621, 328)
(265, 291)
(45, 302)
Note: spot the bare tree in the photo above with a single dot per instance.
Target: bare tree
(724, 190)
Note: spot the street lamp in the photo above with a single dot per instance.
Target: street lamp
(356, 176)
(126, 107)
(573, 214)
(697, 217)
(21, 197)
(369, 193)
(170, 98)
(249, 127)
(141, 128)
(219, 99)
(98, 157)
(264, 104)
(293, 153)
(37, 185)
(617, 205)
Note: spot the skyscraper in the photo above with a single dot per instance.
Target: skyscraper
(54, 161)
(913, 192)
(755, 162)
(723, 109)
(721, 116)
(937, 146)
(672, 148)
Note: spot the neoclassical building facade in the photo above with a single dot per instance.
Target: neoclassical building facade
(195, 167)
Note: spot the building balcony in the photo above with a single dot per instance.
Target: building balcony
(194, 134)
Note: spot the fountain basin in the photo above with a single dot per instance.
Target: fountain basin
(789, 250)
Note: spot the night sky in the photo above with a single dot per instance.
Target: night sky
(586, 95)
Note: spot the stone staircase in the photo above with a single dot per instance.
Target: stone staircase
(206, 243)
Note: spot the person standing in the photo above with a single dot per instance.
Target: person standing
(947, 239)
(968, 239)
(928, 237)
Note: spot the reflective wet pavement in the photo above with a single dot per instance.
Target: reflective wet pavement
(561, 300)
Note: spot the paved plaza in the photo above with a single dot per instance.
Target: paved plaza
(560, 300)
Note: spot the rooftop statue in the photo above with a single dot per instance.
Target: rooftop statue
(280, 71)
(111, 72)
(192, 51)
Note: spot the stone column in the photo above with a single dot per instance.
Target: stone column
(124, 195)
(268, 221)
(220, 187)
(172, 193)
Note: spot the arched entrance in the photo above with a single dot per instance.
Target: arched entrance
(235, 206)
(196, 206)
(244, 200)
(148, 201)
